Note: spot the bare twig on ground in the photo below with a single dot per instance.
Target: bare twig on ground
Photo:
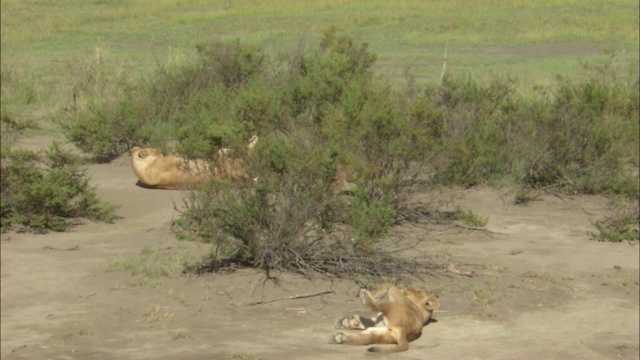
(87, 295)
(408, 247)
(452, 268)
(18, 348)
(464, 226)
(47, 247)
(302, 296)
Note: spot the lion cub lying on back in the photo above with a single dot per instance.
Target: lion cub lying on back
(399, 320)
(155, 170)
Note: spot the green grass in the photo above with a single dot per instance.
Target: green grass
(472, 219)
(149, 265)
(619, 227)
(533, 41)
(483, 298)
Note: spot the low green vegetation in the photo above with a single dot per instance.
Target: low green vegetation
(47, 190)
(148, 264)
(577, 136)
(525, 195)
(472, 219)
(536, 40)
(617, 228)
(320, 110)
(43, 190)
(483, 297)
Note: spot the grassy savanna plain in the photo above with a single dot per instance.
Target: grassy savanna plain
(532, 40)
(524, 280)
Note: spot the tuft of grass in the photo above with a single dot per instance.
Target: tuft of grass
(525, 195)
(617, 228)
(180, 297)
(84, 332)
(627, 278)
(148, 265)
(443, 253)
(180, 334)
(139, 282)
(242, 357)
(498, 268)
(472, 219)
(543, 274)
(483, 298)
(156, 314)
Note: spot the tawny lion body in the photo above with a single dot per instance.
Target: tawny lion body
(155, 170)
(399, 320)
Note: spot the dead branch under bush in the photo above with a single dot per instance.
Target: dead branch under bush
(292, 297)
(374, 264)
(334, 256)
(357, 265)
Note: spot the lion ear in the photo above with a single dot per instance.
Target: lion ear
(432, 304)
(143, 154)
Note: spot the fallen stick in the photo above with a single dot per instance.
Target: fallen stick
(452, 268)
(18, 348)
(285, 298)
(47, 247)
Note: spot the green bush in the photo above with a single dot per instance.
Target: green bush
(318, 79)
(478, 130)
(371, 220)
(579, 137)
(313, 119)
(277, 223)
(47, 191)
(588, 139)
(230, 64)
(110, 129)
(320, 111)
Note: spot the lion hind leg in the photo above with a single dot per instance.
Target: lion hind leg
(399, 338)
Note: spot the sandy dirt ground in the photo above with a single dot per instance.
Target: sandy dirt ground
(541, 288)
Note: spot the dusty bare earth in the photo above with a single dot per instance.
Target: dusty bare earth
(542, 289)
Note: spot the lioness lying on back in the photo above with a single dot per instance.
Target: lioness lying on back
(155, 170)
(399, 320)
